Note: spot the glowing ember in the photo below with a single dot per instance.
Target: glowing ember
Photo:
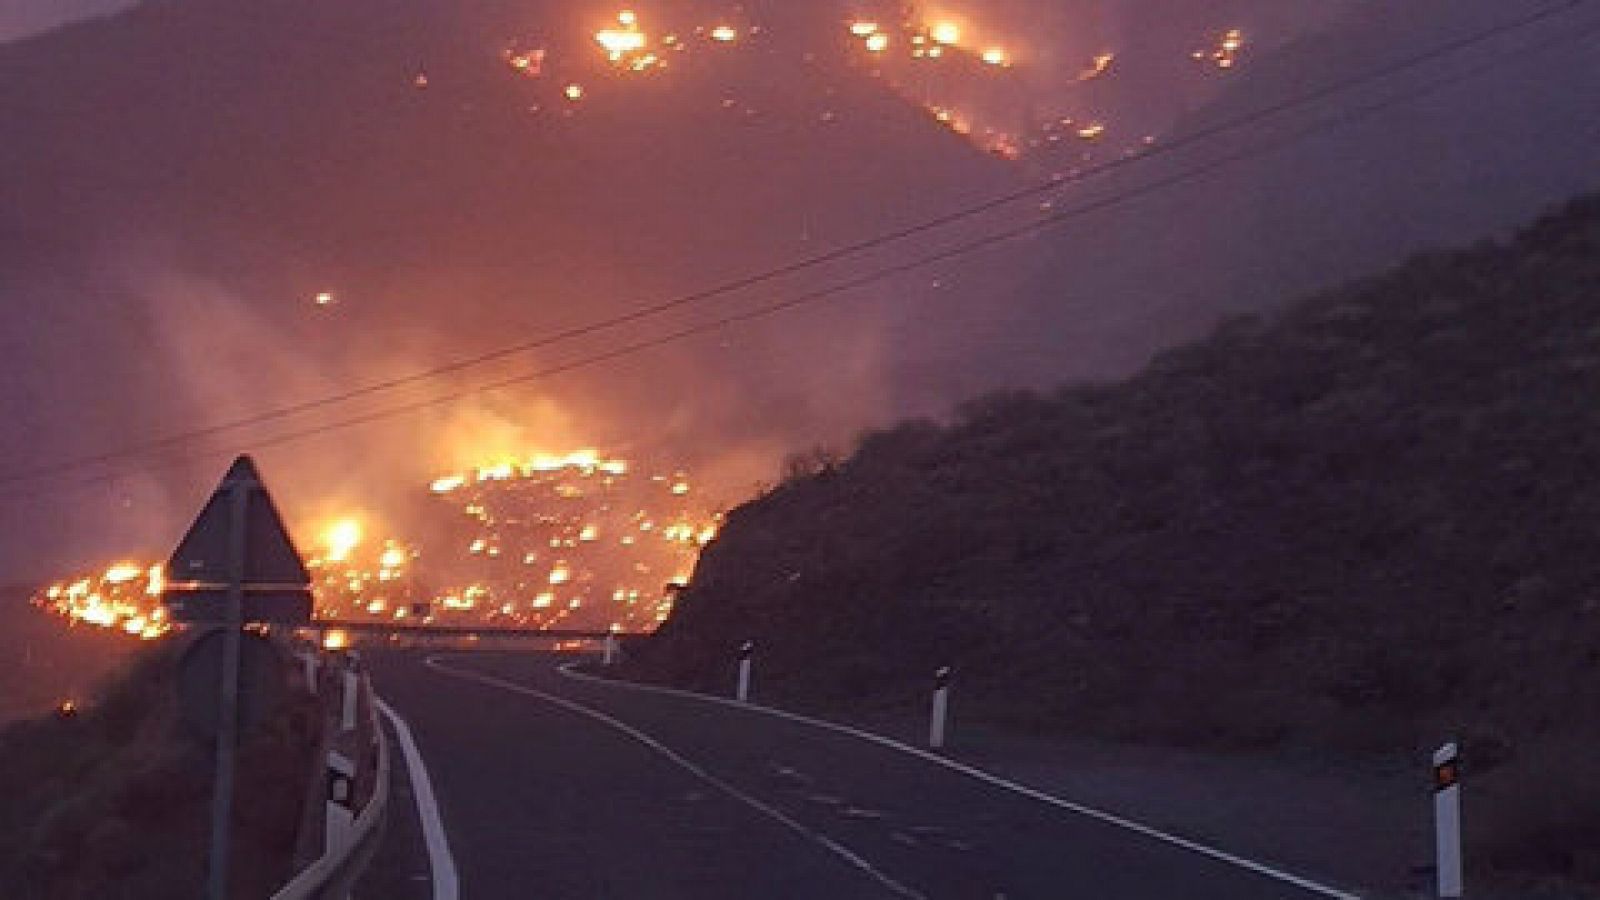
(878, 43)
(1225, 55)
(1100, 66)
(573, 92)
(123, 573)
(340, 539)
(526, 62)
(948, 33)
(619, 44)
(724, 33)
(996, 56)
(627, 47)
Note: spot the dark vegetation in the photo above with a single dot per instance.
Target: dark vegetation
(45, 660)
(114, 801)
(1366, 524)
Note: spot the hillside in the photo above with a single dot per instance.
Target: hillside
(184, 179)
(1364, 524)
(109, 799)
(43, 662)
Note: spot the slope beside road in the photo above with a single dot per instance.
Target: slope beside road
(551, 786)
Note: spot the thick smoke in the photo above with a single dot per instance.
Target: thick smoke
(172, 223)
(21, 18)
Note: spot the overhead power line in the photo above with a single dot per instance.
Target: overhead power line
(838, 254)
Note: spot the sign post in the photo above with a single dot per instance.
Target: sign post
(228, 729)
(941, 707)
(1447, 818)
(746, 650)
(235, 565)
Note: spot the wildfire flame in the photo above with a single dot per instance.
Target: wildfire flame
(542, 540)
(341, 538)
(1225, 54)
(122, 596)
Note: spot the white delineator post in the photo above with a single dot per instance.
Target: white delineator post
(310, 658)
(341, 799)
(347, 713)
(746, 650)
(1447, 817)
(941, 707)
(609, 653)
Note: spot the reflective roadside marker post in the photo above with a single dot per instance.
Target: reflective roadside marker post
(609, 653)
(941, 707)
(347, 712)
(310, 658)
(341, 801)
(746, 650)
(1447, 817)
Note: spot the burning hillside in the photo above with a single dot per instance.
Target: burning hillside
(571, 541)
(124, 596)
(990, 76)
(576, 541)
(371, 192)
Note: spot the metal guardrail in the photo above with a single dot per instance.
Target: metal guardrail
(482, 631)
(332, 875)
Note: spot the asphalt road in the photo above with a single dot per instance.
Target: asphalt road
(551, 787)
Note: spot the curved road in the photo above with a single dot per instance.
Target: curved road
(553, 786)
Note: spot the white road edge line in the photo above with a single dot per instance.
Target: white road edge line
(822, 840)
(446, 884)
(568, 670)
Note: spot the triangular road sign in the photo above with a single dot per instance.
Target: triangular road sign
(275, 583)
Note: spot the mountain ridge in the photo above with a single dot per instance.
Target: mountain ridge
(1360, 524)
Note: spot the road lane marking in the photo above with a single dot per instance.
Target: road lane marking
(446, 884)
(568, 670)
(822, 840)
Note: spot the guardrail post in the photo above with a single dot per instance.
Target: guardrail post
(609, 653)
(742, 692)
(941, 707)
(1447, 818)
(341, 801)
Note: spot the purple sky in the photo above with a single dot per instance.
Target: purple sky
(19, 18)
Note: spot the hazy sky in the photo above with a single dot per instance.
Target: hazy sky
(176, 308)
(19, 18)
